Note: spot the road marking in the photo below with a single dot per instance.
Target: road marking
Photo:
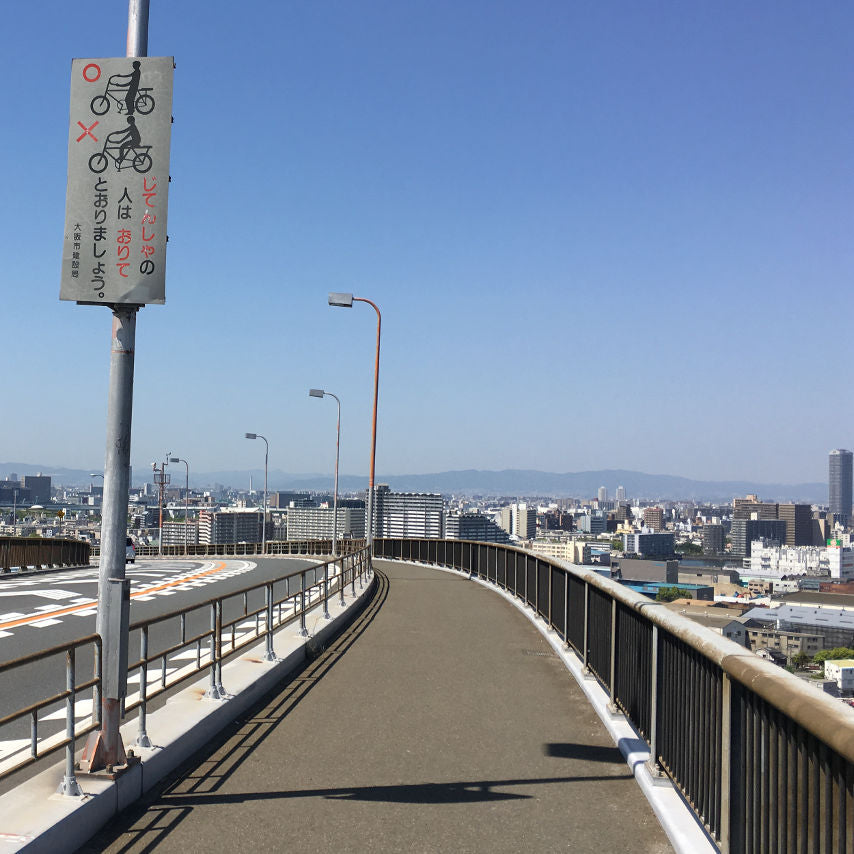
(32, 619)
(43, 624)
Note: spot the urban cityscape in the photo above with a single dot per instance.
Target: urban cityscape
(579, 261)
(775, 577)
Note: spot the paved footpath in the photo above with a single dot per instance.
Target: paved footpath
(440, 721)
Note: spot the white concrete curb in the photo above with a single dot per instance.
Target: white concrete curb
(678, 821)
(34, 819)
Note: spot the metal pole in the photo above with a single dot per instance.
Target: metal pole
(187, 512)
(335, 493)
(370, 514)
(114, 529)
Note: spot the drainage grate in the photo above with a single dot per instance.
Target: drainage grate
(538, 653)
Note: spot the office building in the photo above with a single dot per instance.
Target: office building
(621, 493)
(519, 521)
(798, 519)
(714, 539)
(602, 495)
(840, 484)
(745, 531)
(407, 514)
(649, 544)
(39, 487)
(174, 533)
(474, 526)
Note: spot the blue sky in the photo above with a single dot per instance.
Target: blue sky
(602, 235)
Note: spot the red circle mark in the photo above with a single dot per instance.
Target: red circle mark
(97, 68)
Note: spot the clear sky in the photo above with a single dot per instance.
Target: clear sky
(602, 235)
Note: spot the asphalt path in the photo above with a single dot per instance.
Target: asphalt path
(42, 611)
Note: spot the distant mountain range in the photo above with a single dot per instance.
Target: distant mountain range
(509, 482)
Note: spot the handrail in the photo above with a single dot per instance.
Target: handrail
(765, 761)
(316, 585)
(273, 548)
(42, 551)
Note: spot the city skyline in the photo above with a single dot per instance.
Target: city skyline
(578, 223)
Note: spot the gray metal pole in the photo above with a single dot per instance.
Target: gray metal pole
(114, 530)
(187, 512)
(105, 748)
(335, 493)
(264, 517)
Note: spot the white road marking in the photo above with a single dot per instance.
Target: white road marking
(12, 746)
(43, 624)
(82, 709)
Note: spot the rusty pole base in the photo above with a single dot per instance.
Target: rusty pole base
(95, 756)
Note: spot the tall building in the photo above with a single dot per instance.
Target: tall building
(474, 526)
(39, 486)
(407, 514)
(602, 494)
(714, 539)
(316, 523)
(798, 519)
(621, 493)
(840, 484)
(519, 520)
(228, 526)
(653, 517)
(745, 531)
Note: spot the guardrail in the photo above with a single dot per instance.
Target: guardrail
(37, 552)
(201, 636)
(274, 547)
(765, 761)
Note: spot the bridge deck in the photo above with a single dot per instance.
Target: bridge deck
(440, 721)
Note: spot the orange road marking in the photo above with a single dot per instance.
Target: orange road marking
(23, 621)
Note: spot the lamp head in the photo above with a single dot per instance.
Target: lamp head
(174, 459)
(342, 300)
(251, 435)
(315, 392)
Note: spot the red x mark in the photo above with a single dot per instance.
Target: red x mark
(87, 131)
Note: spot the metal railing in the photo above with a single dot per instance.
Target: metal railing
(274, 547)
(765, 761)
(194, 639)
(37, 552)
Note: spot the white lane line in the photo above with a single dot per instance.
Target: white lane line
(43, 624)
(87, 613)
(13, 615)
(5, 634)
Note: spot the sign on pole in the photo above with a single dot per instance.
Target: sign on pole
(114, 250)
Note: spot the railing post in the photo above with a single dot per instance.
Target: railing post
(732, 795)
(652, 764)
(213, 692)
(69, 785)
(341, 580)
(142, 739)
(550, 594)
(326, 615)
(302, 628)
(353, 559)
(222, 692)
(586, 639)
(566, 607)
(270, 654)
(612, 670)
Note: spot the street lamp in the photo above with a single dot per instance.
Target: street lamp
(264, 519)
(318, 392)
(346, 301)
(186, 504)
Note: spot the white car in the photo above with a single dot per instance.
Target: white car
(130, 551)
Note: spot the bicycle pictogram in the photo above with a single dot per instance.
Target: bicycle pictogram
(125, 149)
(125, 91)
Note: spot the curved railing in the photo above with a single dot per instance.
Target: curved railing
(42, 551)
(273, 547)
(765, 761)
(199, 637)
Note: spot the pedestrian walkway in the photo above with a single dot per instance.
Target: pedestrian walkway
(441, 720)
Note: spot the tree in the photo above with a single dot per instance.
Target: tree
(834, 654)
(617, 545)
(800, 660)
(668, 594)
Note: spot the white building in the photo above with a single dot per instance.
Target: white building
(316, 523)
(407, 514)
(519, 520)
(774, 561)
(841, 671)
(838, 560)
